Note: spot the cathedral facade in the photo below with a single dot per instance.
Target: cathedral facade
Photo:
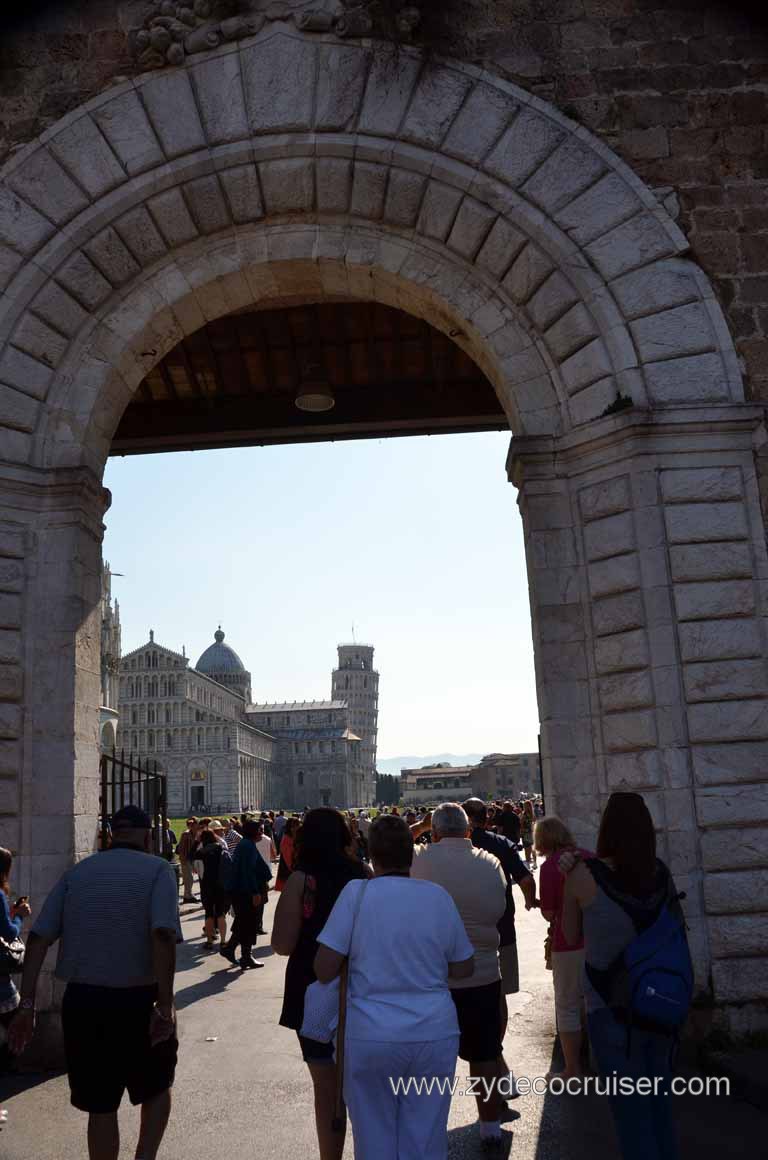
(222, 753)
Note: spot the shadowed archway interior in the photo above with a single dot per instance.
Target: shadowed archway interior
(234, 381)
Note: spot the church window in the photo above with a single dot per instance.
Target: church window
(300, 777)
(154, 660)
(199, 739)
(169, 741)
(134, 717)
(151, 739)
(287, 720)
(167, 714)
(151, 714)
(135, 741)
(171, 687)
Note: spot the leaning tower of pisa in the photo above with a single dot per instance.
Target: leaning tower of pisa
(356, 681)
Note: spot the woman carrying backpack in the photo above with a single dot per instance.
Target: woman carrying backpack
(639, 978)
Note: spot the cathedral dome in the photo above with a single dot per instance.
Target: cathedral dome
(219, 658)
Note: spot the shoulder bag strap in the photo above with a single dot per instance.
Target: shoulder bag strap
(338, 1110)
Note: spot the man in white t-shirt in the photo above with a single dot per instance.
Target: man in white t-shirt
(266, 848)
(476, 883)
(279, 827)
(404, 939)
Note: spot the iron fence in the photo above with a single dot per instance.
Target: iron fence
(126, 780)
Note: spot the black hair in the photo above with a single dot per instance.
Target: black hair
(324, 835)
(628, 838)
(6, 861)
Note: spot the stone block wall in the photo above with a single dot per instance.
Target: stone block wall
(649, 603)
(677, 89)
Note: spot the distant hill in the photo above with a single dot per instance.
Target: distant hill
(395, 764)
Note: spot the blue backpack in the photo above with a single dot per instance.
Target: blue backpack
(650, 984)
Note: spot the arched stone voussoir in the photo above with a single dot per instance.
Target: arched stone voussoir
(266, 266)
(427, 155)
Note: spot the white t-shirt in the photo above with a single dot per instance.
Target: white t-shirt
(475, 881)
(406, 933)
(264, 846)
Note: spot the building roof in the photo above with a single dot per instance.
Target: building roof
(441, 771)
(296, 706)
(219, 658)
(320, 733)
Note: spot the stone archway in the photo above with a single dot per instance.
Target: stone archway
(290, 167)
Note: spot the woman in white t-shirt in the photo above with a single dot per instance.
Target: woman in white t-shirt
(404, 939)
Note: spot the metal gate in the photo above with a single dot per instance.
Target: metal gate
(129, 781)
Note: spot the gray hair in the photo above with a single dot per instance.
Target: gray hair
(450, 821)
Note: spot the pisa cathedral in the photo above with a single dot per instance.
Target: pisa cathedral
(223, 753)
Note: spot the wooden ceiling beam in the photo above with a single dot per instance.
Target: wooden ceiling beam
(167, 378)
(189, 370)
(265, 352)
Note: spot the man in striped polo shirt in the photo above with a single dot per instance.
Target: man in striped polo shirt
(115, 917)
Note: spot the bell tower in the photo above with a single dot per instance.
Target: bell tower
(356, 681)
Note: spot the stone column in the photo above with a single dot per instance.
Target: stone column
(647, 568)
(50, 582)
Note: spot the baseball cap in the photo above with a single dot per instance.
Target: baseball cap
(131, 818)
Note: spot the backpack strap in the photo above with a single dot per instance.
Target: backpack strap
(641, 917)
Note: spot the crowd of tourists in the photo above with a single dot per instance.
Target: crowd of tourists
(399, 934)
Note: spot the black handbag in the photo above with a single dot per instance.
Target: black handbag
(11, 956)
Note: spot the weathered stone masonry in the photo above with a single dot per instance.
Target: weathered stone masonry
(678, 90)
(296, 165)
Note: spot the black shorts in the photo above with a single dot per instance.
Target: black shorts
(216, 903)
(106, 1040)
(479, 1012)
(313, 1051)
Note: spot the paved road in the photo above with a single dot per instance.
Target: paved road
(247, 1094)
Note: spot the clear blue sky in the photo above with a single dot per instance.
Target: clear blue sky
(417, 541)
